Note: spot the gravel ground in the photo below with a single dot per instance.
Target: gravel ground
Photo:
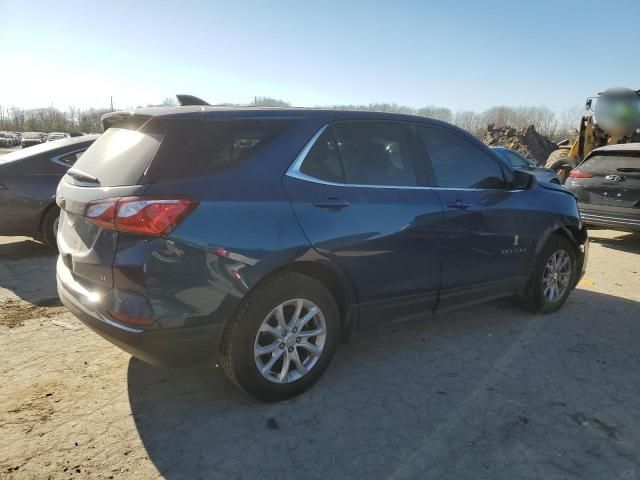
(490, 392)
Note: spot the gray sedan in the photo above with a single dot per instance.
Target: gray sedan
(28, 181)
(518, 161)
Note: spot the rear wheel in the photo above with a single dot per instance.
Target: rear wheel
(282, 339)
(553, 277)
(49, 227)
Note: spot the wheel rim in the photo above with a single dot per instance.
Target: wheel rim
(557, 275)
(290, 341)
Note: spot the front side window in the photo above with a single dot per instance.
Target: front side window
(362, 153)
(457, 163)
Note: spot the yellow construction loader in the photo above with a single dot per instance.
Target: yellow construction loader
(614, 119)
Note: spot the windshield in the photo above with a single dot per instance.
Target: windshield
(516, 160)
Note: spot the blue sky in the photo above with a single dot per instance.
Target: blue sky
(465, 55)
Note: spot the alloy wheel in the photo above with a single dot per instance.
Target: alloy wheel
(290, 341)
(556, 276)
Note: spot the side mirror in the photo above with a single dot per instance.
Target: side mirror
(523, 180)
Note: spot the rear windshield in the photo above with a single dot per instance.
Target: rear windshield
(119, 157)
(611, 164)
(219, 144)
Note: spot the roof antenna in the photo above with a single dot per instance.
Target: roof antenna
(184, 100)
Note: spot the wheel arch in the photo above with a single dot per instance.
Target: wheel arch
(45, 211)
(576, 234)
(333, 278)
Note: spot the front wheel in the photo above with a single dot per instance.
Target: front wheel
(282, 339)
(553, 276)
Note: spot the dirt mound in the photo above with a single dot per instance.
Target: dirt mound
(526, 141)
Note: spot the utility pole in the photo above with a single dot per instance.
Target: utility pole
(111, 97)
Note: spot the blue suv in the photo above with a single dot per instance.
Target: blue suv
(258, 238)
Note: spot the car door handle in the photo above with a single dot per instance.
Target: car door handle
(459, 204)
(331, 202)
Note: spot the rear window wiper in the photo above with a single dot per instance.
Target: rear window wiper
(628, 169)
(82, 177)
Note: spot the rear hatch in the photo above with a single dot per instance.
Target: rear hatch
(609, 181)
(118, 164)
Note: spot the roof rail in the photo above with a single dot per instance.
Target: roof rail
(190, 100)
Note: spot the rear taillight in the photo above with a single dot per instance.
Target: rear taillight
(154, 217)
(579, 174)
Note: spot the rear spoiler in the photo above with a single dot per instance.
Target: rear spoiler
(136, 119)
(185, 100)
(128, 120)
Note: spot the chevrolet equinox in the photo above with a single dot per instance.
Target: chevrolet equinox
(257, 238)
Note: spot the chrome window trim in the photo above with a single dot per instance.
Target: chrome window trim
(294, 172)
(56, 158)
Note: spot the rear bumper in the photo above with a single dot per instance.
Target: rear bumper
(615, 220)
(166, 347)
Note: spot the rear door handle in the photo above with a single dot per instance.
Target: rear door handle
(331, 202)
(459, 204)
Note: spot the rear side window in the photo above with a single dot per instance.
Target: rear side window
(220, 144)
(362, 153)
(70, 158)
(611, 164)
(323, 160)
(457, 163)
(119, 156)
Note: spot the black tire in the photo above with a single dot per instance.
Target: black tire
(49, 226)
(533, 298)
(561, 163)
(237, 350)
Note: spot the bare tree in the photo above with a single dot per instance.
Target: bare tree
(269, 102)
(569, 122)
(169, 102)
(433, 111)
(470, 121)
(90, 120)
(72, 118)
(17, 118)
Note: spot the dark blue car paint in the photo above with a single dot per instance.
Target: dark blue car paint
(253, 220)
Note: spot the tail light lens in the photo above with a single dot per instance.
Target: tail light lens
(579, 174)
(148, 216)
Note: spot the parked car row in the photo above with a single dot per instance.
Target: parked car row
(33, 138)
(28, 139)
(10, 139)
